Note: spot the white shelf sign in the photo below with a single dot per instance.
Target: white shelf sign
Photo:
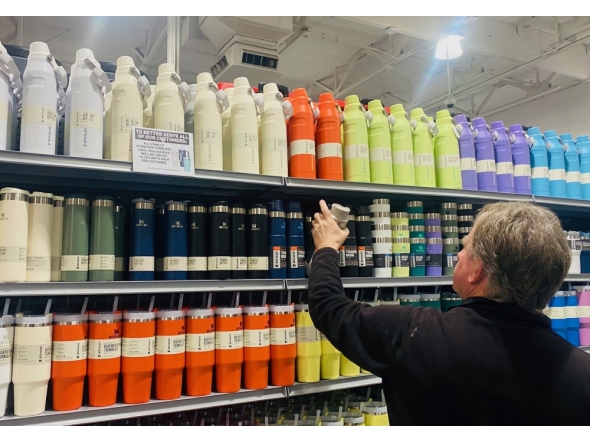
(163, 152)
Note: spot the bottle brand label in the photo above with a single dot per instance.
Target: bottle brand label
(572, 176)
(85, 118)
(138, 347)
(486, 166)
(424, 160)
(307, 334)
(329, 150)
(32, 354)
(239, 263)
(301, 147)
(296, 257)
(39, 114)
(141, 263)
(540, 173)
(197, 263)
(468, 164)
(124, 124)
(434, 260)
(557, 174)
(176, 263)
(356, 151)
(66, 351)
(448, 161)
(282, 336)
(382, 260)
(6, 341)
(119, 264)
(451, 260)
(403, 157)
(380, 154)
(522, 170)
(504, 168)
(348, 256)
(584, 311)
(39, 263)
(417, 260)
(229, 340)
(279, 257)
(218, 263)
(104, 348)
(244, 140)
(170, 345)
(571, 312)
(257, 338)
(584, 178)
(401, 260)
(101, 262)
(200, 342)
(274, 144)
(258, 263)
(208, 136)
(74, 263)
(365, 256)
(13, 255)
(557, 312)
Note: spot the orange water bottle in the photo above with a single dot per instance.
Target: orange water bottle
(170, 348)
(256, 347)
(200, 351)
(229, 351)
(283, 349)
(104, 357)
(329, 139)
(138, 350)
(300, 130)
(68, 366)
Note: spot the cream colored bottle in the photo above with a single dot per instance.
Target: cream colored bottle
(39, 237)
(126, 110)
(244, 129)
(108, 127)
(168, 102)
(208, 127)
(31, 363)
(148, 111)
(226, 131)
(273, 134)
(56, 237)
(14, 222)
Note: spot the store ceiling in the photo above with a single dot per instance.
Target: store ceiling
(506, 60)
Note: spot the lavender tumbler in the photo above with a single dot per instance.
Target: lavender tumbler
(467, 153)
(521, 159)
(434, 249)
(484, 156)
(503, 153)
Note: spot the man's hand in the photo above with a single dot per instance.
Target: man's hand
(325, 231)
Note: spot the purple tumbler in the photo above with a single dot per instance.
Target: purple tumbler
(467, 153)
(503, 152)
(434, 249)
(484, 156)
(521, 159)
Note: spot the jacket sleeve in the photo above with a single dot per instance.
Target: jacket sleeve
(369, 336)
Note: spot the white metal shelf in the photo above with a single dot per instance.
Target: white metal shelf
(328, 385)
(372, 282)
(137, 287)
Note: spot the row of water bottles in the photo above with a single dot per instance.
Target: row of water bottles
(569, 312)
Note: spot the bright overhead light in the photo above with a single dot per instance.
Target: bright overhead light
(449, 47)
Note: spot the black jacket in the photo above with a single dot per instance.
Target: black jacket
(481, 363)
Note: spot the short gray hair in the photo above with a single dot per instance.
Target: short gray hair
(523, 251)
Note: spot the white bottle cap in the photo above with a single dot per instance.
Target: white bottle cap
(125, 61)
(193, 89)
(241, 82)
(341, 214)
(38, 50)
(165, 68)
(204, 77)
(270, 87)
(84, 53)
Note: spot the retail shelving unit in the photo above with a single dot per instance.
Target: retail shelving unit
(86, 415)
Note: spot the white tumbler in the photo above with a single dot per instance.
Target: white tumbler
(6, 340)
(39, 237)
(56, 237)
(14, 221)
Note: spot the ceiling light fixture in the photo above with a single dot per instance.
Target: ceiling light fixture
(449, 47)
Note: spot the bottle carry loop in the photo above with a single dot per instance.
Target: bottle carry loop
(143, 84)
(182, 87)
(98, 76)
(220, 96)
(9, 68)
(368, 115)
(60, 72)
(433, 127)
(286, 105)
(314, 110)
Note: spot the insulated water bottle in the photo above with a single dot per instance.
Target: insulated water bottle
(274, 159)
(68, 360)
(75, 242)
(197, 241)
(31, 365)
(539, 163)
(557, 183)
(101, 260)
(148, 111)
(503, 153)
(14, 206)
(300, 132)
(239, 257)
(226, 131)
(138, 349)
(244, 129)
(364, 242)
(256, 347)
(57, 237)
(208, 124)
(229, 349)
(6, 344)
(121, 247)
(572, 167)
(219, 259)
(277, 240)
(521, 160)
(126, 109)
(422, 131)
(356, 142)
(200, 351)
(446, 153)
(141, 245)
(380, 144)
(85, 107)
(175, 254)
(170, 353)
(328, 138)
(39, 109)
(467, 153)
(258, 242)
(572, 322)
(557, 314)
(189, 110)
(283, 350)
(348, 252)
(309, 348)
(39, 237)
(484, 156)
(402, 148)
(295, 241)
(169, 100)
(10, 91)
(583, 145)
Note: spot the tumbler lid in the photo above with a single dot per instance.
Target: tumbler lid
(251, 310)
(170, 314)
(199, 312)
(23, 319)
(282, 309)
(228, 311)
(6, 321)
(105, 316)
(302, 307)
(70, 317)
(139, 315)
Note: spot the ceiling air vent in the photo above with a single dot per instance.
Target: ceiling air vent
(243, 60)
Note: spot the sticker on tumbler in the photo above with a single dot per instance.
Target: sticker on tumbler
(302, 147)
(200, 342)
(84, 118)
(13, 255)
(282, 336)
(176, 263)
(32, 354)
(239, 263)
(141, 263)
(138, 347)
(170, 345)
(417, 260)
(448, 161)
(39, 114)
(231, 340)
(356, 151)
(218, 263)
(257, 338)
(403, 157)
(258, 263)
(74, 263)
(39, 263)
(101, 262)
(66, 351)
(329, 150)
(197, 263)
(104, 348)
(307, 334)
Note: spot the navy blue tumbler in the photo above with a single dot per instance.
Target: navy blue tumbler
(141, 246)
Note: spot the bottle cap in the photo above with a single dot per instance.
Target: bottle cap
(460, 119)
(375, 105)
(6, 321)
(282, 309)
(228, 311)
(270, 88)
(515, 128)
(416, 113)
(340, 213)
(165, 68)
(443, 114)
(38, 50)
(125, 61)
(241, 82)
(84, 53)
(478, 121)
(397, 109)
(326, 97)
(498, 124)
(204, 77)
(33, 319)
(352, 100)
(70, 317)
(105, 316)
